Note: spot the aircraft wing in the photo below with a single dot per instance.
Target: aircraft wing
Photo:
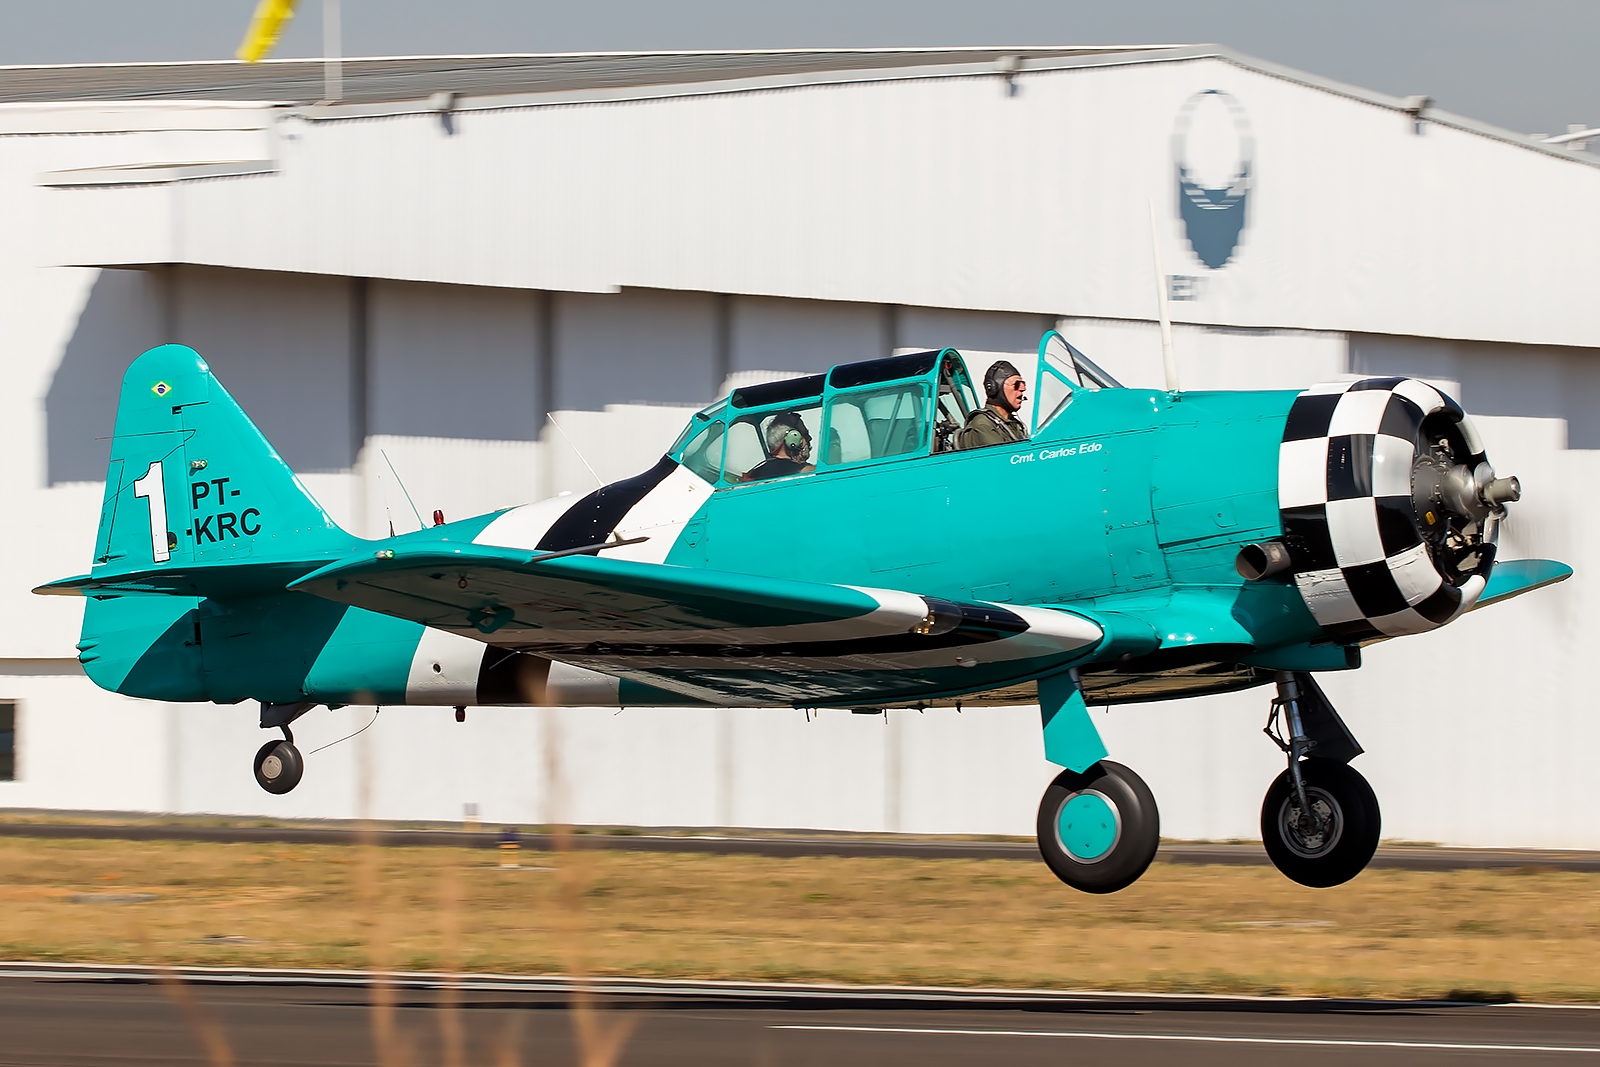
(1513, 577)
(732, 637)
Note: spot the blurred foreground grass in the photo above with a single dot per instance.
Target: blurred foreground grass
(1531, 933)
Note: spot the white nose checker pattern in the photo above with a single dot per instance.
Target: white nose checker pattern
(1344, 492)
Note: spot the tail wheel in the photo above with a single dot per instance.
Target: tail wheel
(1098, 830)
(279, 766)
(1333, 841)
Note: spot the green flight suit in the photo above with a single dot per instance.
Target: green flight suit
(987, 426)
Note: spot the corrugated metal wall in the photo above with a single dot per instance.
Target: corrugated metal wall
(933, 192)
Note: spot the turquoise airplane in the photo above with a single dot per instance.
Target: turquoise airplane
(821, 542)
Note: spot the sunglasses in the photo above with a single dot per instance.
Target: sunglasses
(1017, 384)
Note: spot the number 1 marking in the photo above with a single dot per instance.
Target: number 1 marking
(153, 489)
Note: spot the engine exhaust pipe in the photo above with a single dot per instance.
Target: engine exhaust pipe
(1262, 560)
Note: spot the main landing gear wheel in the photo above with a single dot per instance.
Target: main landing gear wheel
(279, 766)
(1098, 830)
(1330, 839)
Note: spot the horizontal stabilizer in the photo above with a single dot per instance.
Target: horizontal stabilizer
(1513, 577)
(232, 579)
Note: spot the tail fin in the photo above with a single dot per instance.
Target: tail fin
(194, 492)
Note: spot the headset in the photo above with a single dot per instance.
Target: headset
(788, 432)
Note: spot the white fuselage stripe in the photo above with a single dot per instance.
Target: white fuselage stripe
(661, 516)
(444, 669)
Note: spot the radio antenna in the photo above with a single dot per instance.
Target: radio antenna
(576, 451)
(1169, 363)
(420, 524)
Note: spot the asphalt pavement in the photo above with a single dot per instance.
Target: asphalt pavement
(101, 1019)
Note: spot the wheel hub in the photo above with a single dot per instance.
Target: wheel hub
(271, 767)
(1088, 826)
(1315, 832)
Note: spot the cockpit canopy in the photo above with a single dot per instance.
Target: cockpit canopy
(878, 410)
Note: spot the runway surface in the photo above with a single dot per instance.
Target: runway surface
(94, 1020)
(1415, 858)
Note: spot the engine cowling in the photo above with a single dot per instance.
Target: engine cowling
(1389, 507)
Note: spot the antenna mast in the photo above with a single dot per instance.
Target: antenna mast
(575, 450)
(1169, 362)
(405, 491)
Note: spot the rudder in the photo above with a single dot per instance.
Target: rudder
(192, 482)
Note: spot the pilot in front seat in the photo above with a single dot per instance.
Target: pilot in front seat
(788, 449)
(996, 423)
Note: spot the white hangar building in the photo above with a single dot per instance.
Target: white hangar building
(471, 271)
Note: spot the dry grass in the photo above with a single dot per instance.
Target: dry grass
(1534, 933)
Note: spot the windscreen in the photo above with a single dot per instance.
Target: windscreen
(1053, 389)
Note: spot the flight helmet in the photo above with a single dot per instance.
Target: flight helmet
(994, 381)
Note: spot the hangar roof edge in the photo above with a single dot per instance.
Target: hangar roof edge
(942, 63)
(381, 79)
(1384, 100)
(396, 85)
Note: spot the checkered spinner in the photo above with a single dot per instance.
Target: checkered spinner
(1344, 490)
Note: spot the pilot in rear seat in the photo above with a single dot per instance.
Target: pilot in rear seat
(788, 449)
(996, 423)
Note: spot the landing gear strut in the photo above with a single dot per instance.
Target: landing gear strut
(1098, 825)
(1320, 820)
(279, 765)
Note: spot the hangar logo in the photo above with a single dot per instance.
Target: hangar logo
(1213, 151)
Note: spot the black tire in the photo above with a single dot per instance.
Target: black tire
(279, 766)
(1343, 848)
(1116, 815)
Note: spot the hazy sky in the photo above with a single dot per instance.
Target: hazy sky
(1528, 65)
